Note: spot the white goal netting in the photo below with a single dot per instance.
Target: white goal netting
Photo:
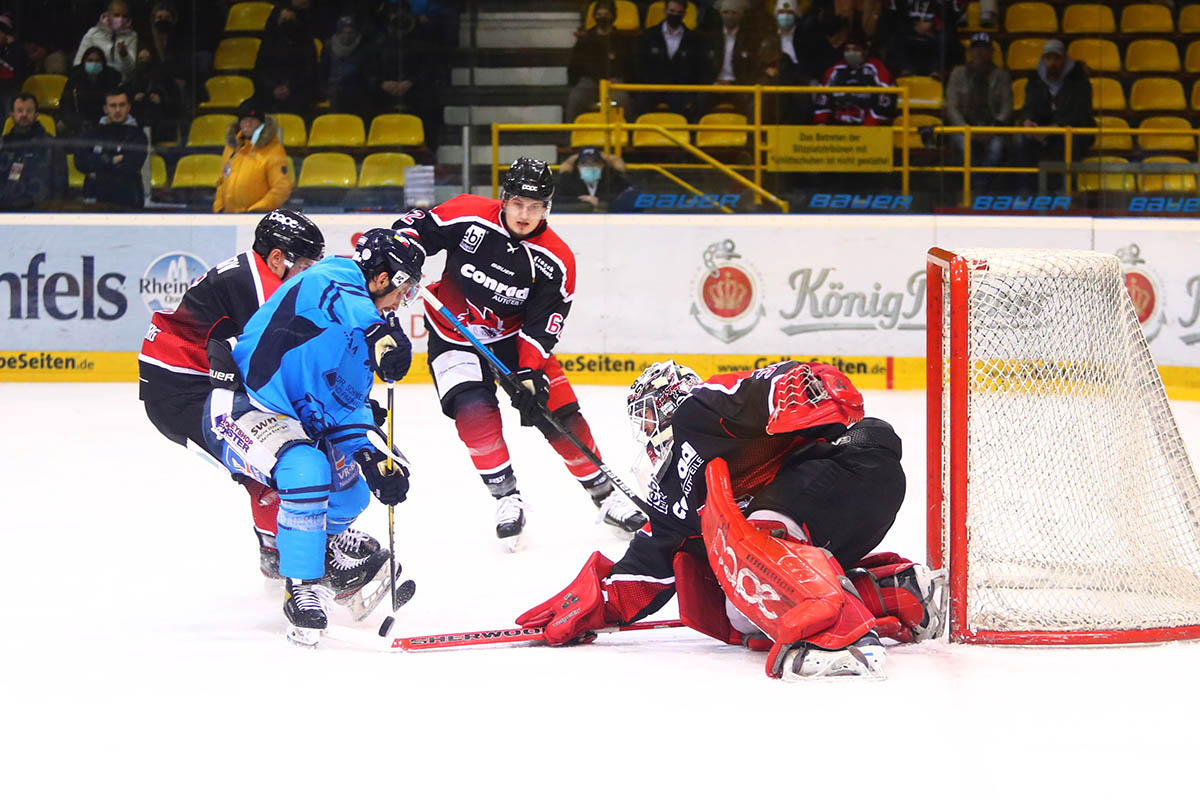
(1083, 510)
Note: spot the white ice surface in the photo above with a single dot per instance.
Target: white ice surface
(143, 656)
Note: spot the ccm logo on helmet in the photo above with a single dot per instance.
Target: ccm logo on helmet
(470, 273)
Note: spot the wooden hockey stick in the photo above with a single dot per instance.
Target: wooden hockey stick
(532, 636)
(505, 376)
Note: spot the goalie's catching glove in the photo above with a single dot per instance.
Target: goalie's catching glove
(391, 351)
(576, 612)
(390, 486)
(531, 395)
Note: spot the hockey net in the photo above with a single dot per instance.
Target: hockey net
(1060, 493)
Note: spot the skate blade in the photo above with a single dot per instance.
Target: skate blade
(619, 532)
(853, 663)
(367, 599)
(303, 637)
(510, 544)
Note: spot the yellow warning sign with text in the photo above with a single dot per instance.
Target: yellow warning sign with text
(829, 148)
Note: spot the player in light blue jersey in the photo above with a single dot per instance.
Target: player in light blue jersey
(300, 422)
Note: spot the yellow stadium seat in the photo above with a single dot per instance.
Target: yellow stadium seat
(1108, 180)
(247, 17)
(1189, 19)
(384, 169)
(1157, 94)
(47, 88)
(722, 138)
(328, 170)
(197, 172)
(655, 14)
(1191, 61)
(1030, 18)
(337, 130)
(292, 130)
(627, 16)
(1196, 96)
(1024, 54)
(209, 130)
(45, 120)
(236, 54)
(1018, 89)
(1166, 182)
(75, 178)
(974, 17)
(915, 123)
(227, 91)
(924, 93)
(1152, 55)
(1146, 18)
(396, 130)
(1088, 18)
(158, 172)
(655, 139)
(596, 138)
(1100, 55)
(1114, 134)
(1163, 141)
(1107, 95)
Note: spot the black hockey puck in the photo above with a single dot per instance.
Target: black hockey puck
(386, 626)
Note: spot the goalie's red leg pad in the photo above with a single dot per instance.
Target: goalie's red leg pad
(789, 590)
(701, 601)
(264, 503)
(480, 429)
(869, 577)
(577, 463)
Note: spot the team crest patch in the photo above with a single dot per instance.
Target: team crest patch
(472, 238)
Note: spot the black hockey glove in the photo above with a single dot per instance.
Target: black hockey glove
(223, 372)
(531, 395)
(391, 352)
(389, 486)
(378, 413)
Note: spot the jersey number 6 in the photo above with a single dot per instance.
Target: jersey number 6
(554, 324)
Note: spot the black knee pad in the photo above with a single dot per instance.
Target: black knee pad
(468, 396)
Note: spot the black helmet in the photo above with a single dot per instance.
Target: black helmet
(291, 232)
(384, 250)
(528, 177)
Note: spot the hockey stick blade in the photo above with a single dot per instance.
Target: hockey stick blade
(530, 635)
(379, 442)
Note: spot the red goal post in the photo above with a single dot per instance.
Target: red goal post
(1060, 494)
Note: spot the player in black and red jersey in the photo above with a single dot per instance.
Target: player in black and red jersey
(785, 565)
(186, 352)
(510, 280)
(856, 68)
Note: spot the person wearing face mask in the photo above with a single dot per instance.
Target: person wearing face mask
(670, 53)
(601, 52)
(170, 51)
(345, 61)
(116, 38)
(254, 167)
(285, 74)
(591, 180)
(856, 68)
(789, 58)
(87, 83)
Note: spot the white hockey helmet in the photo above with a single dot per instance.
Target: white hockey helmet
(653, 399)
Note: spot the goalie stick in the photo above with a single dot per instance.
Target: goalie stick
(530, 635)
(504, 374)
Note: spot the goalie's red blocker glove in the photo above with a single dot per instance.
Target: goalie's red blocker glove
(572, 615)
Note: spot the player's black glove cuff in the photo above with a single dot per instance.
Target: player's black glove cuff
(389, 486)
(391, 352)
(531, 395)
(223, 372)
(378, 412)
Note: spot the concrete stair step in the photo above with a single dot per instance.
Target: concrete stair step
(486, 115)
(509, 76)
(482, 154)
(523, 29)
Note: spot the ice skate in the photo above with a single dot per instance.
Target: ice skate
(619, 512)
(357, 572)
(863, 659)
(930, 586)
(304, 606)
(510, 519)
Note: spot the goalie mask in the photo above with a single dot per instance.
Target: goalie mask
(653, 399)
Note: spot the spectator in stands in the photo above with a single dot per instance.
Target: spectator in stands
(156, 99)
(980, 93)
(32, 169)
(734, 49)
(88, 84)
(925, 41)
(170, 50)
(285, 74)
(1058, 94)
(590, 180)
(790, 58)
(115, 37)
(836, 20)
(600, 52)
(111, 156)
(44, 56)
(254, 166)
(857, 68)
(14, 65)
(403, 73)
(345, 64)
(670, 53)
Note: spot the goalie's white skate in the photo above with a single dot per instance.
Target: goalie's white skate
(621, 515)
(931, 586)
(864, 659)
